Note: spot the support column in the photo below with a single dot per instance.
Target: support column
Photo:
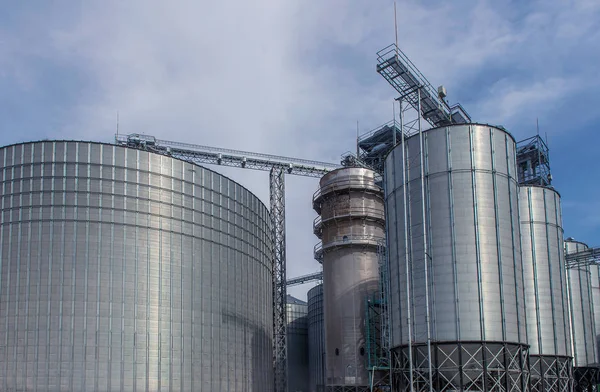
(277, 190)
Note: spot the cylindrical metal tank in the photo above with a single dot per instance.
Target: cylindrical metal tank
(579, 278)
(546, 298)
(124, 270)
(582, 310)
(316, 340)
(297, 344)
(473, 257)
(595, 276)
(351, 226)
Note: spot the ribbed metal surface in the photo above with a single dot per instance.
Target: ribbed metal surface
(582, 311)
(546, 298)
(297, 344)
(316, 340)
(595, 277)
(474, 256)
(123, 270)
(352, 213)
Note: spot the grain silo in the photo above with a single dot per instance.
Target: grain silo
(127, 270)
(585, 370)
(595, 277)
(351, 226)
(457, 298)
(297, 344)
(316, 340)
(546, 298)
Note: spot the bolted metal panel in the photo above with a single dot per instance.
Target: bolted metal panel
(352, 214)
(546, 298)
(474, 266)
(316, 340)
(582, 312)
(546, 294)
(595, 277)
(297, 345)
(126, 270)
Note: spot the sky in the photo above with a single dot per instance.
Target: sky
(294, 77)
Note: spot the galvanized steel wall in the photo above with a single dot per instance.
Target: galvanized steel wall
(546, 298)
(546, 293)
(582, 310)
(124, 270)
(297, 344)
(473, 256)
(316, 340)
(476, 281)
(352, 224)
(595, 277)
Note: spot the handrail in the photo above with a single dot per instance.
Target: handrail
(346, 184)
(353, 211)
(319, 249)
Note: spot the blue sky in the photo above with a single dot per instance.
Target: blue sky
(292, 78)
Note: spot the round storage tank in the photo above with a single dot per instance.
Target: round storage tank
(297, 344)
(595, 276)
(316, 340)
(546, 298)
(582, 311)
(124, 270)
(475, 275)
(351, 226)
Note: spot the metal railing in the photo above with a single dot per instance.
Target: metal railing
(346, 240)
(377, 214)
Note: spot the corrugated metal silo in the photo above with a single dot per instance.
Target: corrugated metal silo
(595, 276)
(351, 226)
(473, 259)
(126, 270)
(297, 344)
(546, 297)
(582, 320)
(316, 340)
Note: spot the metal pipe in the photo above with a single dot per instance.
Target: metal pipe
(408, 299)
(426, 254)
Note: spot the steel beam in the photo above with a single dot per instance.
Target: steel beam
(277, 185)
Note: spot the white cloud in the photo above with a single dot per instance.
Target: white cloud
(286, 77)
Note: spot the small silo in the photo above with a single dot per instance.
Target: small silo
(297, 344)
(546, 298)
(316, 340)
(463, 263)
(351, 226)
(583, 328)
(125, 270)
(595, 276)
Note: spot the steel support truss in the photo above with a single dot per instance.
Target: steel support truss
(277, 187)
(463, 366)
(551, 373)
(586, 379)
(316, 276)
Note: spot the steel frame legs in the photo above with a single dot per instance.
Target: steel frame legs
(466, 366)
(277, 190)
(551, 373)
(586, 379)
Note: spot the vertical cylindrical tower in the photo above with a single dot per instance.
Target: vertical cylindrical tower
(297, 344)
(582, 319)
(351, 226)
(316, 340)
(546, 298)
(475, 275)
(595, 276)
(125, 270)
